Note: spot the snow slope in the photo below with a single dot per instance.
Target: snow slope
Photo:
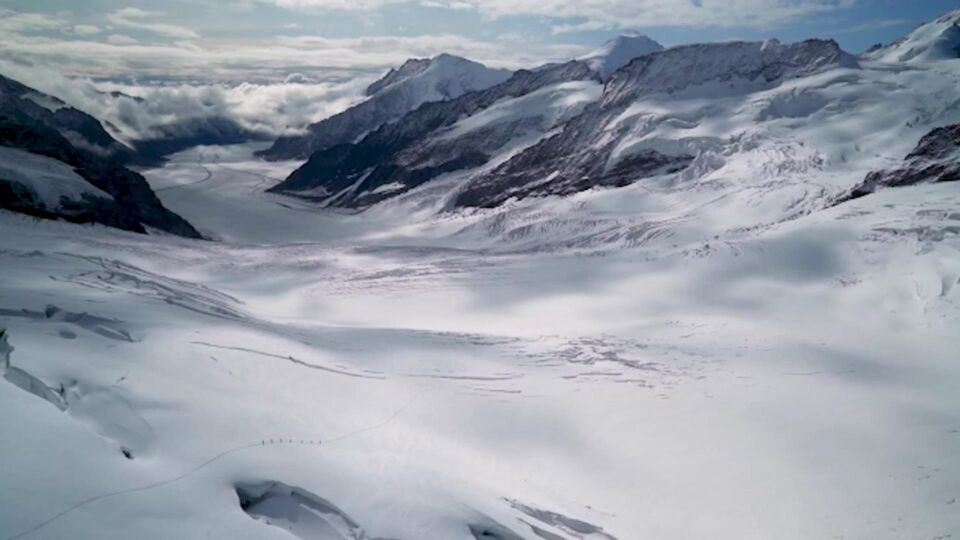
(936, 40)
(420, 149)
(618, 52)
(48, 180)
(794, 382)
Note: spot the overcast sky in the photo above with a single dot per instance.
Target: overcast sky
(234, 40)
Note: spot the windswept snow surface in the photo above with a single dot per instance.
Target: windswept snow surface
(717, 353)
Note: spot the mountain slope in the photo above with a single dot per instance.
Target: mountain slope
(191, 132)
(618, 52)
(73, 146)
(440, 137)
(82, 130)
(595, 149)
(400, 91)
(933, 41)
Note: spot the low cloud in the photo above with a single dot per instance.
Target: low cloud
(135, 112)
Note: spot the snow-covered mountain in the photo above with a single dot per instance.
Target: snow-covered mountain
(936, 40)
(618, 52)
(590, 147)
(439, 78)
(445, 137)
(26, 105)
(605, 145)
(58, 162)
(397, 93)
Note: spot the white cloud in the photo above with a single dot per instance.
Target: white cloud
(302, 79)
(270, 108)
(85, 29)
(594, 14)
(335, 5)
(17, 22)
(271, 59)
(120, 39)
(142, 20)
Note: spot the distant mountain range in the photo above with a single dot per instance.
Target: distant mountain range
(629, 111)
(561, 129)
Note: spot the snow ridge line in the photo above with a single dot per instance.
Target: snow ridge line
(210, 461)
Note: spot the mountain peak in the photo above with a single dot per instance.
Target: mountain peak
(399, 91)
(451, 58)
(619, 51)
(443, 66)
(933, 41)
(735, 63)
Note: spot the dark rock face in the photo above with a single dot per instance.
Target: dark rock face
(939, 145)
(580, 157)
(79, 140)
(545, 169)
(82, 130)
(935, 159)
(355, 175)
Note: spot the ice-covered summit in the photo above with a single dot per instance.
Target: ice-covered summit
(442, 77)
(936, 40)
(398, 92)
(618, 52)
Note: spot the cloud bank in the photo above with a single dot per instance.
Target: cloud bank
(600, 14)
(134, 112)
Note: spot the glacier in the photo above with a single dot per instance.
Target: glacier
(762, 344)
